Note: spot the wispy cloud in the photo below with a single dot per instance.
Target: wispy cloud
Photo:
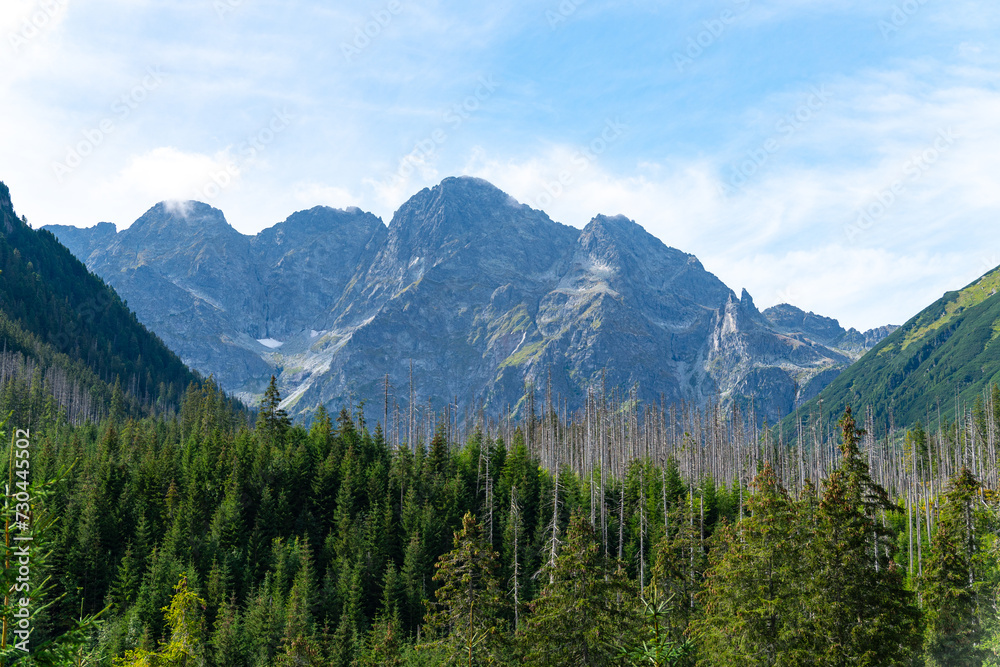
(736, 159)
(792, 230)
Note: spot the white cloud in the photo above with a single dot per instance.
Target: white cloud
(924, 159)
(169, 173)
(782, 232)
(26, 23)
(181, 207)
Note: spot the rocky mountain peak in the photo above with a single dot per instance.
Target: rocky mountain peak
(613, 225)
(616, 239)
(794, 321)
(322, 219)
(174, 233)
(180, 217)
(83, 241)
(740, 315)
(790, 319)
(645, 261)
(468, 232)
(482, 293)
(308, 226)
(459, 211)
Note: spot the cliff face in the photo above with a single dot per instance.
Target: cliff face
(825, 330)
(481, 294)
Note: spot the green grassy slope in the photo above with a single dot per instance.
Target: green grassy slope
(950, 349)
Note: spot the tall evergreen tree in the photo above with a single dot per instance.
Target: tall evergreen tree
(753, 597)
(655, 645)
(858, 609)
(186, 646)
(679, 566)
(584, 610)
(272, 420)
(954, 632)
(439, 456)
(466, 622)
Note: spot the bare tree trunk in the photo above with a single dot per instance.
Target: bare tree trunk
(515, 518)
(621, 520)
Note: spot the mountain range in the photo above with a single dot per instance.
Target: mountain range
(467, 296)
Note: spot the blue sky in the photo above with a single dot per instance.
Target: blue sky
(839, 155)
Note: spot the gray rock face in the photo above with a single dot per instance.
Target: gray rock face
(82, 242)
(212, 293)
(479, 294)
(789, 319)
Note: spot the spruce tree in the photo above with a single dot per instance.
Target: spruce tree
(954, 631)
(126, 584)
(272, 420)
(439, 456)
(262, 625)
(858, 610)
(466, 624)
(228, 641)
(347, 638)
(753, 597)
(584, 610)
(299, 625)
(384, 644)
(186, 646)
(385, 640)
(654, 645)
(678, 568)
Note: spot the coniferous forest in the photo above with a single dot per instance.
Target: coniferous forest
(618, 535)
(150, 519)
(573, 333)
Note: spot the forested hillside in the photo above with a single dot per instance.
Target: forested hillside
(942, 359)
(616, 536)
(64, 331)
